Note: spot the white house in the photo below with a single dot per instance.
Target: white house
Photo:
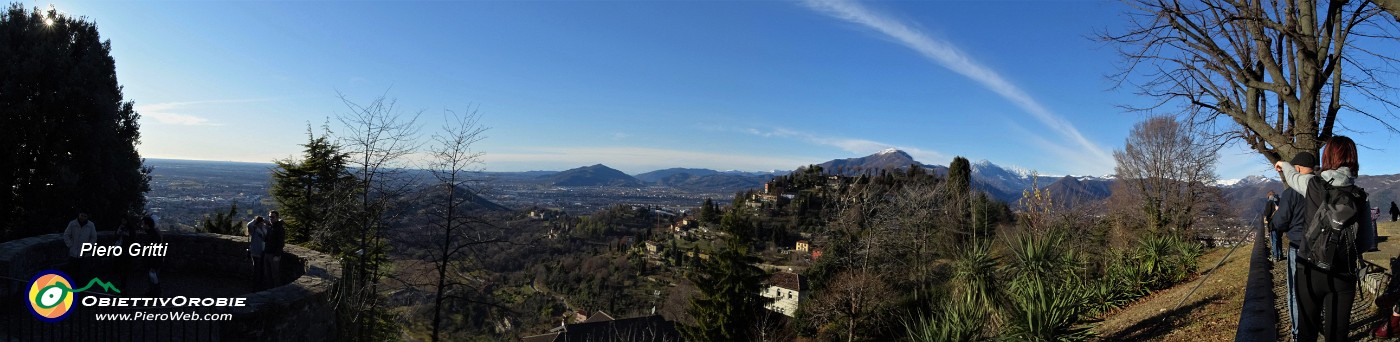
(786, 290)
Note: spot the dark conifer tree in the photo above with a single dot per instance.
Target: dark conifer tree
(223, 223)
(708, 212)
(307, 191)
(68, 137)
(960, 177)
(728, 305)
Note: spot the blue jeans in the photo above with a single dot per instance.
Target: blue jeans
(1292, 296)
(1276, 244)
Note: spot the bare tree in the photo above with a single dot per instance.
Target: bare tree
(1124, 214)
(1170, 169)
(378, 137)
(454, 230)
(1280, 71)
(855, 301)
(1392, 6)
(892, 234)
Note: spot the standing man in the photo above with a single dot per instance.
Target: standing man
(1276, 240)
(272, 253)
(79, 231)
(1375, 227)
(1289, 217)
(257, 235)
(150, 235)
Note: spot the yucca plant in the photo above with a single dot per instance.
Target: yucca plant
(1166, 259)
(1045, 255)
(1046, 310)
(1156, 257)
(1045, 300)
(1132, 275)
(1120, 284)
(974, 274)
(1186, 252)
(957, 319)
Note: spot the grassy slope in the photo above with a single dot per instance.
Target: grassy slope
(1212, 313)
(1209, 314)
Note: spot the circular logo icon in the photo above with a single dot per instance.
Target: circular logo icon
(51, 296)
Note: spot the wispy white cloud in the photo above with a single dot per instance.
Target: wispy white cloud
(177, 113)
(853, 145)
(1059, 159)
(632, 159)
(175, 119)
(950, 56)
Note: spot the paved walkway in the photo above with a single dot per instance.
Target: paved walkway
(1364, 314)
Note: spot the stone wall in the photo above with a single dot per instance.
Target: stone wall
(299, 310)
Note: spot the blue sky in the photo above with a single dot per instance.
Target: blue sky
(641, 86)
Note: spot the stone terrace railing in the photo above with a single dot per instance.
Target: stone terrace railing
(299, 310)
(1258, 318)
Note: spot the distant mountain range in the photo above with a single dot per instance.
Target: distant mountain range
(1003, 183)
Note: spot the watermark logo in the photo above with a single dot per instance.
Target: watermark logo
(51, 295)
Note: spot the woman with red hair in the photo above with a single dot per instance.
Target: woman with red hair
(1325, 295)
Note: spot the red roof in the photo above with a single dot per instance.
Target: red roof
(790, 281)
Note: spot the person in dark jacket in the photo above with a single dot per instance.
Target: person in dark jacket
(1275, 236)
(1289, 217)
(125, 236)
(150, 235)
(1394, 212)
(1325, 297)
(272, 254)
(257, 246)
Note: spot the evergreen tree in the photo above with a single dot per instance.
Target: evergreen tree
(960, 177)
(708, 212)
(308, 190)
(729, 302)
(223, 223)
(69, 138)
(960, 197)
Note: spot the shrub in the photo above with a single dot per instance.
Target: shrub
(1044, 255)
(957, 319)
(1165, 260)
(1043, 309)
(974, 275)
(1045, 295)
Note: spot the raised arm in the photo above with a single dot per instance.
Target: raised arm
(1294, 179)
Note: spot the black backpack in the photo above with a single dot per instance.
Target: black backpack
(1330, 240)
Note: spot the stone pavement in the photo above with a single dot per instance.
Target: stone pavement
(1364, 314)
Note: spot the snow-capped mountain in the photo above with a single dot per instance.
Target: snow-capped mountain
(888, 159)
(1250, 180)
(1002, 183)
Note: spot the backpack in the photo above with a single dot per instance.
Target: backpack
(1330, 239)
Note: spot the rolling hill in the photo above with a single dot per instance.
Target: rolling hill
(596, 175)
